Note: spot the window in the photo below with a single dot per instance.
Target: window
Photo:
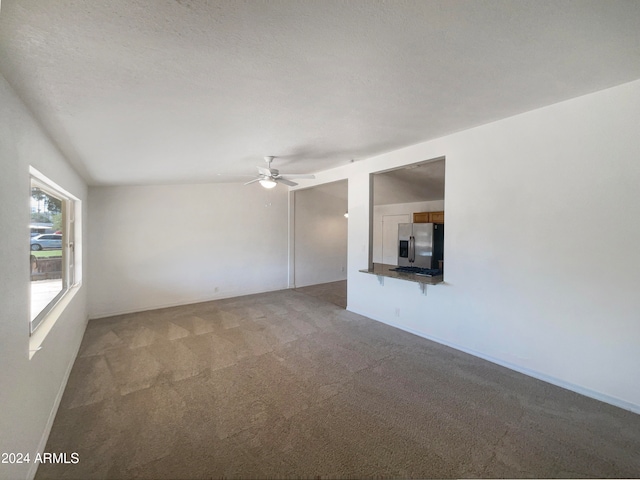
(52, 245)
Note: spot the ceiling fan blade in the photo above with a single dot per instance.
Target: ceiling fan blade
(253, 181)
(267, 172)
(298, 175)
(286, 182)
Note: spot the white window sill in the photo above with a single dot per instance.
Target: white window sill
(37, 338)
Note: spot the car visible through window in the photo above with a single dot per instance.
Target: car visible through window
(44, 241)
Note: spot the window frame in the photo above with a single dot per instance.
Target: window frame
(70, 238)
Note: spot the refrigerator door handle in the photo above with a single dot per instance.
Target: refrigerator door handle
(412, 249)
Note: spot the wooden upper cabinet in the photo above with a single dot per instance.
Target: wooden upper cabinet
(428, 217)
(436, 217)
(422, 217)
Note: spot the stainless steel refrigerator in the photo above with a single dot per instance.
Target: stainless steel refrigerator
(420, 244)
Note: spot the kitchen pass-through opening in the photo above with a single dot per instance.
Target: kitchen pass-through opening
(407, 217)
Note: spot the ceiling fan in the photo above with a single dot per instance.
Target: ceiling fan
(270, 177)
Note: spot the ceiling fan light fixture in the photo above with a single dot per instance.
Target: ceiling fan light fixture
(268, 183)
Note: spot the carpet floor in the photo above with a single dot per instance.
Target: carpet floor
(288, 385)
(332, 292)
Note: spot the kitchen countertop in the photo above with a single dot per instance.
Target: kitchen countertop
(384, 270)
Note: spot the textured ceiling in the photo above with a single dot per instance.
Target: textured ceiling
(414, 183)
(160, 91)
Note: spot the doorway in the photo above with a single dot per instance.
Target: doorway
(319, 241)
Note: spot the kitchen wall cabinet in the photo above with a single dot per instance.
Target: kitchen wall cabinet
(428, 217)
(422, 217)
(436, 217)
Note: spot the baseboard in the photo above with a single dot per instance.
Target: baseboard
(616, 402)
(54, 410)
(98, 316)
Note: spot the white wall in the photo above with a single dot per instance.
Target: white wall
(30, 389)
(542, 244)
(320, 247)
(168, 245)
(379, 211)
